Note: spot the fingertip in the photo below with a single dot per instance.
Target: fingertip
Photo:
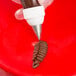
(46, 3)
(19, 14)
(17, 1)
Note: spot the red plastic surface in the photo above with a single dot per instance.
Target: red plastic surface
(17, 37)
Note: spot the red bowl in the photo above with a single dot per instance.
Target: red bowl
(58, 30)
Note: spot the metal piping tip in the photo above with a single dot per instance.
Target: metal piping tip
(37, 30)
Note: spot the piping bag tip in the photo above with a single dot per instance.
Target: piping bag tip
(37, 30)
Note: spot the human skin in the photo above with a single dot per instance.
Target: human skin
(59, 31)
(19, 13)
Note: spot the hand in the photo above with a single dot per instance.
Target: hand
(19, 13)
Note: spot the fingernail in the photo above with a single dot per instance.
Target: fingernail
(19, 14)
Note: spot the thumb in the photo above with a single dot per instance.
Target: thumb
(19, 13)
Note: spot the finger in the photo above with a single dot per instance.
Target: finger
(19, 14)
(17, 1)
(46, 3)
